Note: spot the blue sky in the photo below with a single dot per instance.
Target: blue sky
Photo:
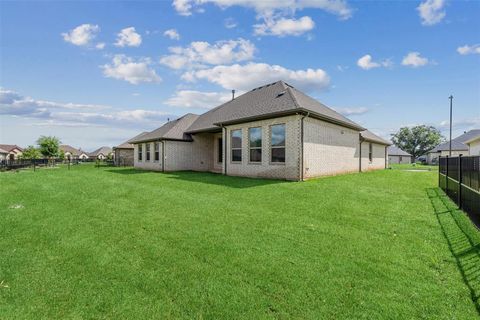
(97, 73)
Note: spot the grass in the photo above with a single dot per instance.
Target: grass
(119, 243)
(413, 166)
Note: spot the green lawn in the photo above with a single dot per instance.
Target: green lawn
(413, 166)
(118, 243)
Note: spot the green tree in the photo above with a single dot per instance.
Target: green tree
(49, 146)
(417, 140)
(30, 152)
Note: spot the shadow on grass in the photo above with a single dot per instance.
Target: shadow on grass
(221, 180)
(463, 240)
(127, 170)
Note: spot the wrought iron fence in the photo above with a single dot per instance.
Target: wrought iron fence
(459, 177)
(9, 164)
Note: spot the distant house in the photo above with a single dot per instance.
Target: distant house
(101, 153)
(459, 146)
(13, 151)
(398, 156)
(124, 152)
(70, 152)
(3, 154)
(273, 131)
(83, 155)
(474, 145)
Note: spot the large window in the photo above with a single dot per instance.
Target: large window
(157, 151)
(220, 150)
(277, 139)
(236, 142)
(255, 144)
(370, 152)
(147, 149)
(140, 152)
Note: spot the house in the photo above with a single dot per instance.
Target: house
(273, 131)
(474, 145)
(459, 146)
(101, 153)
(13, 151)
(397, 155)
(70, 152)
(3, 154)
(124, 152)
(83, 155)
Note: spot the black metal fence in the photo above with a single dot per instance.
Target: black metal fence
(9, 164)
(459, 177)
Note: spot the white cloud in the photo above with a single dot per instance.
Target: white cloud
(126, 68)
(337, 7)
(466, 49)
(230, 23)
(431, 11)
(197, 99)
(284, 26)
(128, 37)
(251, 75)
(59, 113)
(462, 124)
(202, 53)
(100, 45)
(172, 34)
(367, 63)
(413, 59)
(352, 111)
(82, 35)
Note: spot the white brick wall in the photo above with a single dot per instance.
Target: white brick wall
(144, 164)
(474, 148)
(378, 160)
(196, 155)
(288, 170)
(329, 149)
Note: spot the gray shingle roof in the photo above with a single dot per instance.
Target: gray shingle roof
(127, 145)
(172, 130)
(458, 144)
(396, 151)
(10, 147)
(370, 136)
(72, 150)
(3, 151)
(103, 150)
(273, 99)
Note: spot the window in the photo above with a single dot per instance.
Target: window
(148, 151)
(236, 141)
(157, 151)
(140, 152)
(277, 140)
(401, 159)
(370, 152)
(220, 150)
(255, 144)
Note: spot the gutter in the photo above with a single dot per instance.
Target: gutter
(163, 155)
(301, 145)
(360, 157)
(224, 130)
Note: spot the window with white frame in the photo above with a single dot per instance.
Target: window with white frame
(147, 149)
(157, 151)
(277, 143)
(255, 144)
(236, 145)
(140, 152)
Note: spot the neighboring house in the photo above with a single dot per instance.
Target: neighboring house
(3, 154)
(398, 156)
(274, 131)
(70, 152)
(83, 155)
(124, 152)
(474, 145)
(459, 147)
(14, 151)
(101, 153)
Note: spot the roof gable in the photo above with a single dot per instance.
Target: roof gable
(396, 151)
(10, 147)
(172, 130)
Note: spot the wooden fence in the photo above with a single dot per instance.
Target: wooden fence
(459, 177)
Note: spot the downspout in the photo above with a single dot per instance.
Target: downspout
(224, 130)
(163, 155)
(360, 158)
(301, 145)
(385, 157)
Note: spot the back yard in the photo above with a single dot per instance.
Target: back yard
(121, 243)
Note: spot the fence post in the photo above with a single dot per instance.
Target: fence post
(460, 180)
(446, 175)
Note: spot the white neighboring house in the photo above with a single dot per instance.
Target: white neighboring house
(83, 155)
(101, 153)
(13, 151)
(459, 147)
(398, 156)
(474, 146)
(3, 154)
(70, 152)
(273, 131)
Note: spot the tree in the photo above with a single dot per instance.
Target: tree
(30, 152)
(49, 146)
(417, 140)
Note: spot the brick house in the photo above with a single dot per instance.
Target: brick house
(123, 153)
(274, 131)
(459, 147)
(398, 156)
(13, 152)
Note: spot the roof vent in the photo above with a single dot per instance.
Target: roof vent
(281, 93)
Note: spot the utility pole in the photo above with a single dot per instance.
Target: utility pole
(450, 146)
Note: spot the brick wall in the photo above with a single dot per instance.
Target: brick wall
(396, 159)
(266, 169)
(378, 156)
(124, 157)
(148, 165)
(196, 155)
